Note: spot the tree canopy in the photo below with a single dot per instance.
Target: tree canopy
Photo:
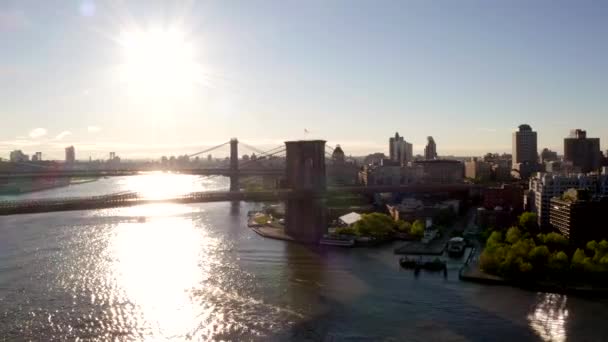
(375, 225)
(528, 221)
(417, 228)
(515, 255)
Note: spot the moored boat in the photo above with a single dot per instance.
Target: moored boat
(418, 264)
(407, 262)
(456, 247)
(434, 265)
(337, 240)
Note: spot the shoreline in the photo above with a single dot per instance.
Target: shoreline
(536, 286)
(47, 187)
(470, 272)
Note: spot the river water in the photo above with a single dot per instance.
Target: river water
(197, 272)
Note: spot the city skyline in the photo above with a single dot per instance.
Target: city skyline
(101, 151)
(468, 76)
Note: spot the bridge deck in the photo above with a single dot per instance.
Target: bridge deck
(117, 173)
(131, 199)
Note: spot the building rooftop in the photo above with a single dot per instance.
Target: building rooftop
(525, 128)
(350, 218)
(438, 161)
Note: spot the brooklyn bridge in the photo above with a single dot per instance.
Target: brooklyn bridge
(304, 192)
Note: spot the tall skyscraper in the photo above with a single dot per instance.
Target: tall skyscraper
(525, 145)
(430, 151)
(581, 152)
(70, 155)
(400, 150)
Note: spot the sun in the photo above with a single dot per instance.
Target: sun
(158, 63)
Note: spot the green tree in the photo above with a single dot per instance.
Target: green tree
(494, 239)
(522, 248)
(346, 231)
(558, 261)
(592, 246)
(556, 241)
(489, 261)
(539, 255)
(578, 259)
(513, 235)
(603, 246)
(525, 267)
(375, 225)
(528, 221)
(417, 228)
(589, 266)
(403, 226)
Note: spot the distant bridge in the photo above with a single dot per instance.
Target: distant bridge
(235, 170)
(126, 172)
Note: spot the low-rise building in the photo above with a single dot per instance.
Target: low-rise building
(501, 172)
(411, 209)
(546, 155)
(579, 216)
(525, 170)
(507, 196)
(497, 218)
(390, 175)
(478, 170)
(341, 171)
(348, 220)
(441, 171)
(17, 156)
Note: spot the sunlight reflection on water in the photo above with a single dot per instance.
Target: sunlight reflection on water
(549, 317)
(156, 264)
(159, 185)
(181, 280)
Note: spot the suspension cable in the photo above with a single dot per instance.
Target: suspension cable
(207, 150)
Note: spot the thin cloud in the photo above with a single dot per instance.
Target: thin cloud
(37, 132)
(20, 142)
(62, 135)
(93, 129)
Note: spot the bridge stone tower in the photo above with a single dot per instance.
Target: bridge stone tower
(305, 171)
(234, 164)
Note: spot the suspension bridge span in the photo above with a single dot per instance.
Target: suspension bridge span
(304, 194)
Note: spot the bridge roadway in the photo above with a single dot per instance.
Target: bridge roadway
(114, 173)
(126, 199)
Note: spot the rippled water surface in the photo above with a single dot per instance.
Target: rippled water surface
(197, 272)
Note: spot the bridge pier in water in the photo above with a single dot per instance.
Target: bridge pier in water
(305, 219)
(234, 164)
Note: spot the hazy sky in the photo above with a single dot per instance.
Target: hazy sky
(351, 72)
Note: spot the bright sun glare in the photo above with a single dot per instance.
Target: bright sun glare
(158, 63)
